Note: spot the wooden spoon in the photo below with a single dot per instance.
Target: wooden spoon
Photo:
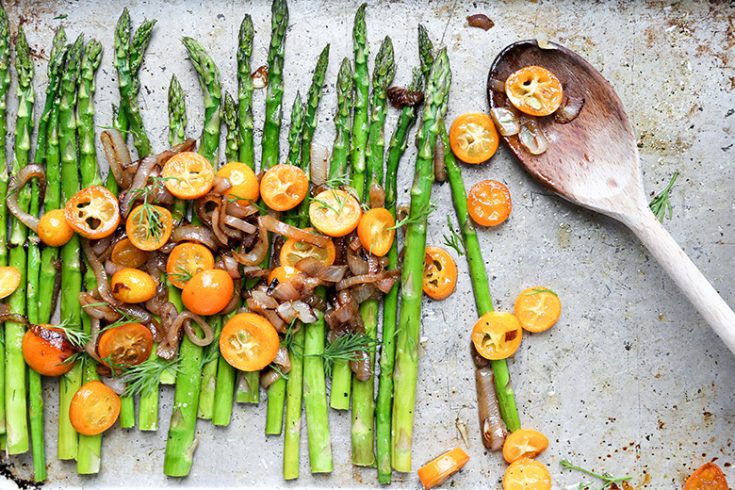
(593, 161)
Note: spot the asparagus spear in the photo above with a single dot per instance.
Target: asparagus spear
(209, 80)
(15, 368)
(295, 130)
(274, 94)
(406, 365)
(224, 391)
(90, 447)
(176, 133)
(71, 276)
(4, 85)
(248, 386)
(342, 123)
(341, 373)
(363, 404)
(128, 60)
(383, 73)
(312, 104)
(181, 441)
(245, 92)
(360, 110)
(396, 148)
(294, 394)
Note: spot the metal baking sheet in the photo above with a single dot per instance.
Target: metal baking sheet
(631, 380)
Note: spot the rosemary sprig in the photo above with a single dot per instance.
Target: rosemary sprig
(143, 379)
(453, 240)
(346, 348)
(660, 204)
(606, 478)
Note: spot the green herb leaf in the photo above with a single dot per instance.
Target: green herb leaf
(606, 478)
(346, 348)
(144, 378)
(453, 240)
(660, 204)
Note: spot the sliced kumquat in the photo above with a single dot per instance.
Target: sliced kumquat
(497, 335)
(46, 350)
(440, 273)
(126, 345)
(9, 280)
(249, 342)
(243, 181)
(132, 285)
(187, 260)
(188, 175)
(709, 476)
(208, 292)
(537, 309)
(149, 227)
(53, 229)
(283, 187)
(94, 408)
(125, 254)
(527, 474)
(292, 252)
(524, 443)
(93, 212)
(534, 90)
(473, 138)
(489, 203)
(376, 231)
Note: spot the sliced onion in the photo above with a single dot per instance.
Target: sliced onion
(258, 253)
(319, 159)
(357, 264)
(261, 300)
(532, 138)
(7, 316)
(364, 292)
(241, 211)
(491, 424)
(569, 110)
(376, 197)
(185, 318)
(317, 269)
(480, 21)
(16, 184)
(506, 121)
(260, 77)
(95, 308)
(283, 360)
(171, 337)
(139, 181)
(103, 285)
(217, 226)
(221, 184)
(440, 168)
(304, 312)
(255, 271)
(241, 225)
(91, 346)
(111, 267)
(116, 383)
(285, 291)
(361, 366)
(268, 377)
(227, 263)
(118, 156)
(139, 314)
(497, 85)
(196, 234)
(275, 226)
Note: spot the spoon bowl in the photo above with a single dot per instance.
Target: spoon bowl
(593, 161)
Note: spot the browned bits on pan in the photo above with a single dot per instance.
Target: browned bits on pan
(400, 97)
(480, 21)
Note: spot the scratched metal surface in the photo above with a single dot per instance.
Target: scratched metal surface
(631, 380)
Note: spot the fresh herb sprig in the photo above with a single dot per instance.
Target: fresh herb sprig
(144, 378)
(661, 204)
(408, 220)
(453, 240)
(346, 348)
(76, 337)
(606, 478)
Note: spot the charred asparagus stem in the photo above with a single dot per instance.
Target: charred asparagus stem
(360, 110)
(406, 365)
(71, 276)
(342, 123)
(181, 442)
(245, 93)
(480, 284)
(90, 447)
(396, 148)
(4, 86)
(15, 381)
(274, 94)
(363, 403)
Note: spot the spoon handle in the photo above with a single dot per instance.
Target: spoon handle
(685, 274)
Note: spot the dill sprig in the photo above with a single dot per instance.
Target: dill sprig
(182, 275)
(660, 204)
(346, 348)
(606, 478)
(148, 216)
(453, 240)
(76, 337)
(539, 291)
(143, 379)
(337, 182)
(341, 202)
(409, 220)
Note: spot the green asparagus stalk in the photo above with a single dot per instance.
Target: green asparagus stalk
(294, 395)
(384, 402)
(71, 276)
(480, 284)
(128, 60)
(181, 441)
(312, 104)
(363, 404)
(177, 131)
(245, 93)
(383, 73)
(15, 368)
(409, 326)
(342, 123)
(90, 447)
(341, 372)
(4, 86)
(35, 387)
(274, 94)
(224, 391)
(426, 52)
(360, 110)
(296, 130)
(209, 80)
(248, 386)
